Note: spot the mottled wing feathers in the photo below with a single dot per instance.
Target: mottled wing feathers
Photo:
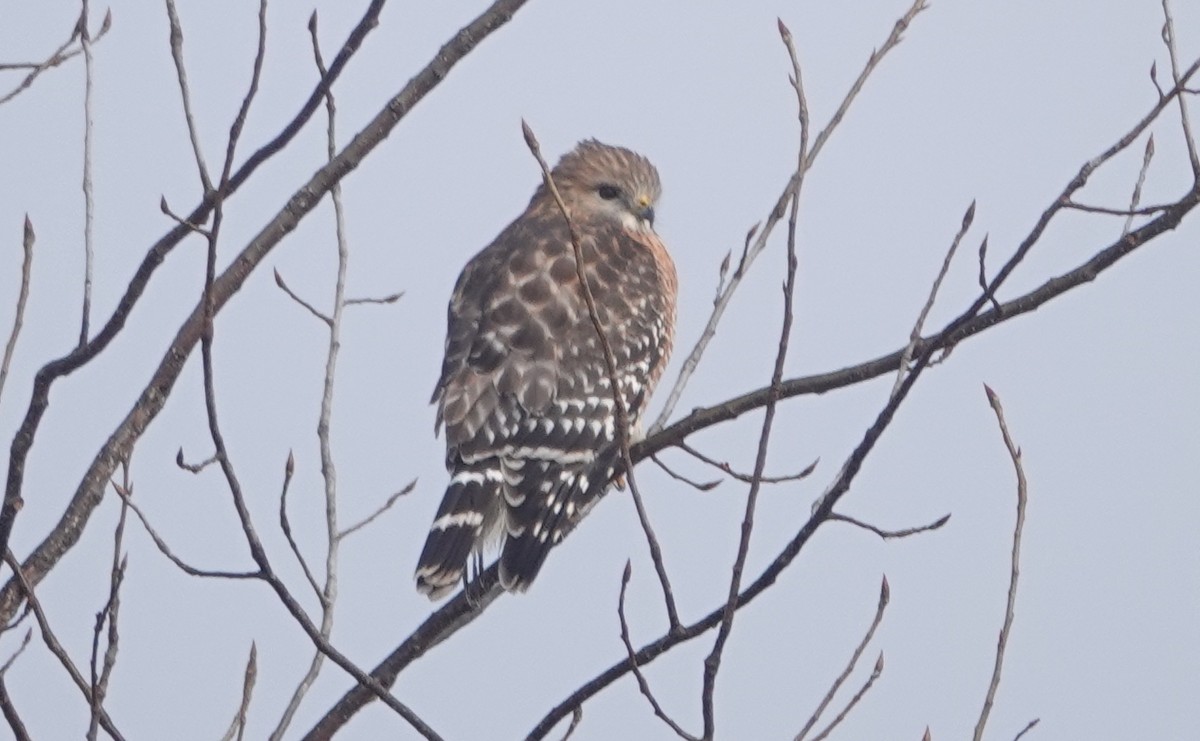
(524, 394)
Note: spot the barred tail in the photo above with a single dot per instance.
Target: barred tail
(471, 495)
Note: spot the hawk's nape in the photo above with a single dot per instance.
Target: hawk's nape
(525, 394)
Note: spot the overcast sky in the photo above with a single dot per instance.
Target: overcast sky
(996, 102)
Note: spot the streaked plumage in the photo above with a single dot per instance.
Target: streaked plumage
(524, 393)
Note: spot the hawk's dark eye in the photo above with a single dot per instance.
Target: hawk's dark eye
(608, 192)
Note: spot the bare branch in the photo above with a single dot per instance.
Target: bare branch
(915, 336)
(193, 467)
(382, 508)
(1015, 453)
(109, 614)
(885, 593)
(311, 309)
(15, 724)
(712, 662)
(610, 365)
(748, 478)
(576, 719)
(286, 526)
(858, 696)
(697, 485)
(68, 530)
(1028, 727)
(777, 212)
(166, 550)
(60, 55)
(393, 298)
(1169, 39)
(890, 534)
(643, 685)
(1147, 155)
(55, 647)
(89, 201)
(238, 725)
(22, 298)
(176, 38)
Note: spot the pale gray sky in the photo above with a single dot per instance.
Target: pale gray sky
(998, 102)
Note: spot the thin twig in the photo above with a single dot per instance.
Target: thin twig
(152, 399)
(164, 549)
(697, 485)
(89, 201)
(890, 534)
(15, 724)
(379, 511)
(576, 719)
(1127, 212)
(176, 39)
(915, 335)
(393, 298)
(1169, 39)
(59, 56)
(1028, 727)
(712, 662)
(327, 595)
(22, 298)
(249, 676)
(193, 467)
(885, 593)
(1136, 198)
(858, 696)
(777, 212)
(55, 647)
(109, 614)
(643, 685)
(286, 526)
(748, 478)
(610, 365)
(311, 309)
(459, 611)
(1022, 496)
(20, 650)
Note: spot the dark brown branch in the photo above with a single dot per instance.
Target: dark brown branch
(15, 724)
(286, 526)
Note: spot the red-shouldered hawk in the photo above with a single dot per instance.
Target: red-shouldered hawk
(525, 395)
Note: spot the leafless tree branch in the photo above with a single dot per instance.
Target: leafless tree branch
(890, 534)
(885, 593)
(60, 55)
(22, 298)
(748, 478)
(249, 677)
(379, 511)
(858, 696)
(1022, 497)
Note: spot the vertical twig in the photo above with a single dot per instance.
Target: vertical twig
(85, 42)
(1173, 51)
(110, 612)
(22, 299)
(712, 662)
(1015, 453)
(176, 38)
(328, 467)
(249, 677)
(915, 336)
(1136, 198)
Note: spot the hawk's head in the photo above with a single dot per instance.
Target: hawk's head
(602, 182)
